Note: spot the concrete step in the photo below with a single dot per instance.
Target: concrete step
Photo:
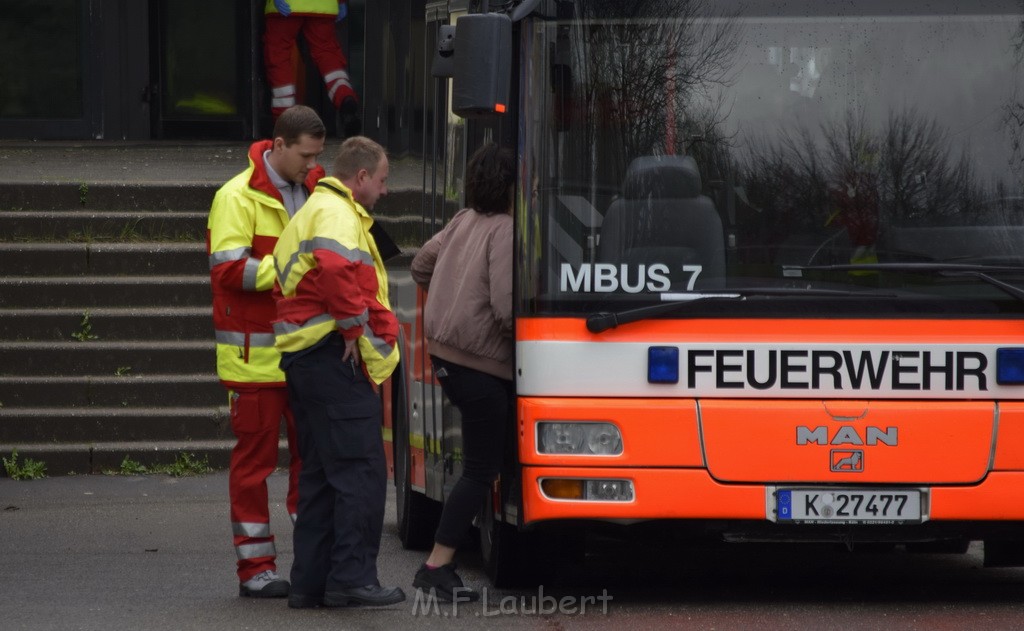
(106, 358)
(80, 259)
(405, 230)
(106, 457)
(106, 196)
(104, 291)
(155, 196)
(135, 227)
(128, 391)
(106, 323)
(91, 226)
(104, 424)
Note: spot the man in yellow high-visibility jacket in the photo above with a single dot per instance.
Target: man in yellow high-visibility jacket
(338, 337)
(247, 216)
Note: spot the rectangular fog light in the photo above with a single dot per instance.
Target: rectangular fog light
(610, 490)
(590, 490)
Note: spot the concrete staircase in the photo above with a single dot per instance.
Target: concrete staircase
(106, 346)
(106, 333)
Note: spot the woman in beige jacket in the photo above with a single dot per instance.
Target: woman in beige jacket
(467, 272)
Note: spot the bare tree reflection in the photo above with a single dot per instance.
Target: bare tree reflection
(924, 177)
(1013, 110)
(847, 176)
(639, 67)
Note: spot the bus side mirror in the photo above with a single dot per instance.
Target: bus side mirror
(483, 65)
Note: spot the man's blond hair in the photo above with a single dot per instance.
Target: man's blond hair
(356, 153)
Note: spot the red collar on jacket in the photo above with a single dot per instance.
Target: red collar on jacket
(260, 180)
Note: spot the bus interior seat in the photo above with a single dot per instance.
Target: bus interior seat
(662, 217)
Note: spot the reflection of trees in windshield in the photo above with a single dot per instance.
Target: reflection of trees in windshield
(638, 66)
(923, 175)
(1013, 110)
(652, 77)
(848, 175)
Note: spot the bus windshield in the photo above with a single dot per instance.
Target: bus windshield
(678, 148)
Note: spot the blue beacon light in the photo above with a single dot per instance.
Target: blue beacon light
(662, 364)
(1010, 366)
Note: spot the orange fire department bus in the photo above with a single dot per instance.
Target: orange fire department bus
(768, 269)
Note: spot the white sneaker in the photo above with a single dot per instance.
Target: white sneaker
(266, 584)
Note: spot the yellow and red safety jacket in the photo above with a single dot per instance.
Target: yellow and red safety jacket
(330, 276)
(307, 7)
(246, 218)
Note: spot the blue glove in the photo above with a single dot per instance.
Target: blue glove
(283, 7)
(342, 11)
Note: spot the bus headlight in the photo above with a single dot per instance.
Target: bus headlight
(585, 438)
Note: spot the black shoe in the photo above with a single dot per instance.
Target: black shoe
(369, 596)
(266, 584)
(445, 584)
(304, 601)
(349, 123)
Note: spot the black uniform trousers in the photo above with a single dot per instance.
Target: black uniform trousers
(343, 482)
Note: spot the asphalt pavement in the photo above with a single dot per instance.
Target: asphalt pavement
(126, 553)
(154, 553)
(149, 552)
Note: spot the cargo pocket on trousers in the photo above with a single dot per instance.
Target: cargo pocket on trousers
(355, 429)
(245, 413)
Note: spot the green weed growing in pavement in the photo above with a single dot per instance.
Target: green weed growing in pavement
(128, 467)
(84, 332)
(83, 193)
(185, 464)
(29, 469)
(122, 371)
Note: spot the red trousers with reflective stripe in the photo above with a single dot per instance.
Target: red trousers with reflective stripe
(256, 415)
(279, 41)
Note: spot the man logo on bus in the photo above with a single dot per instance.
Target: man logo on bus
(847, 460)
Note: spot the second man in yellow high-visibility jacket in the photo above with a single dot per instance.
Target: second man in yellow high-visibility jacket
(338, 337)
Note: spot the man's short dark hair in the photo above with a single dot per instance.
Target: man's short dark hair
(357, 152)
(296, 121)
(490, 175)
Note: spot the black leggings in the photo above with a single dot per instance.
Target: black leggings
(485, 403)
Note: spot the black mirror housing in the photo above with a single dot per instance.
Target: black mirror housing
(483, 65)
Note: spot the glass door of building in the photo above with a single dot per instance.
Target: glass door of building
(204, 68)
(49, 63)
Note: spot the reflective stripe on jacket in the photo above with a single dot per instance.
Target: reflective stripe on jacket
(306, 7)
(246, 218)
(330, 277)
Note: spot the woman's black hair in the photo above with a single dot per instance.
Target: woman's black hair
(490, 177)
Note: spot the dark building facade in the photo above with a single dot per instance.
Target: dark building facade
(190, 69)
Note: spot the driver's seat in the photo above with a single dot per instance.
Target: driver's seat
(662, 217)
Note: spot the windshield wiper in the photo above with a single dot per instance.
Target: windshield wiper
(981, 272)
(604, 320)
